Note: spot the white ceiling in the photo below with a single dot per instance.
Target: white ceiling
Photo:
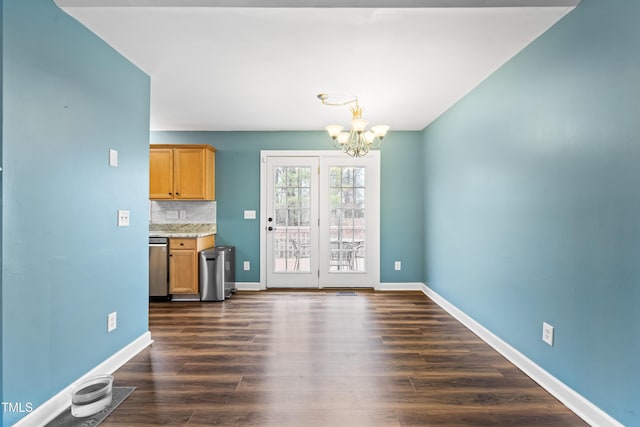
(215, 67)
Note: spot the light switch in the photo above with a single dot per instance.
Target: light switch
(172, 214)
(112, 321)
(249, 214)
(123, 218)
(547, 333)
(113, 158)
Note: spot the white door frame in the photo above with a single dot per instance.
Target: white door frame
(374, 249)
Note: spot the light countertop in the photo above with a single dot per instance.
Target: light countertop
(182, 230)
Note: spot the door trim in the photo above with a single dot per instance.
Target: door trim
(375, 253)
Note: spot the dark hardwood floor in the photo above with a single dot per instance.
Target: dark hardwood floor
(314, 358)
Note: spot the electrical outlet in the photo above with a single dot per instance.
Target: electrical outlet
(172, 214)
(249, 214)
(183, 214)
(246, 265)
(112, 321)
(124, 218)
(547, 333)
(397, 266)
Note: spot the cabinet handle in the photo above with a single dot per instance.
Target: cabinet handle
(177, 194)
(171, 194)
(181, 244)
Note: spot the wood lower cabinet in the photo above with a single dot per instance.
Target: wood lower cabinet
(182, 172)
(183, 268)
(183, 263)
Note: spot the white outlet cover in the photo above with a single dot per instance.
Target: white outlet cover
(249, 214)
(172, 214)
(124, 218)
(113, 157)
(547, 333)
(246, 265)
(112, 321)
(183, 214)
(397, 266)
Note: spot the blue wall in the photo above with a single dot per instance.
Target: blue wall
(1, 221)
(238, 188)
(532, 205)
(529, 187)
(68, 98)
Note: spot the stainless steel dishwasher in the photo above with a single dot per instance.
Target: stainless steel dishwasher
(158, 268)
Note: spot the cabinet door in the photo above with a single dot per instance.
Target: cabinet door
(183, 272)
(161, 173)
(189, 170)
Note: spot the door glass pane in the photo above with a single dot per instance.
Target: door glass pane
(335, 177)
(347, 219)
(280, 177)
(358, 198)
(292, 187)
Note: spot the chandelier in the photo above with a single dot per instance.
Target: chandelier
(358, 141)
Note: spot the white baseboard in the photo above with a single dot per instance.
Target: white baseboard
(61, 401)
(582, 407)
(248, 286)
(256, 286)
(409, 286)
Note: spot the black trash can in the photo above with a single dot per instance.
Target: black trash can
(217, 273)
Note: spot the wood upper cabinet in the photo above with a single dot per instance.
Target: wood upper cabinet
(161, 173)
(182, 172)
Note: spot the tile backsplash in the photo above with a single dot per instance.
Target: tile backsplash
(171, 212)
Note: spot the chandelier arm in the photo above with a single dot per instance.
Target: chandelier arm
(323, 97)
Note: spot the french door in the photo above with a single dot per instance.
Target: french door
(292, 221)
(320, 215)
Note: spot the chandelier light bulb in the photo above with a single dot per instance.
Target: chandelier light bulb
(343, 137)
(334, 130)
(380, 130)
(369, 137)
(359, 125)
